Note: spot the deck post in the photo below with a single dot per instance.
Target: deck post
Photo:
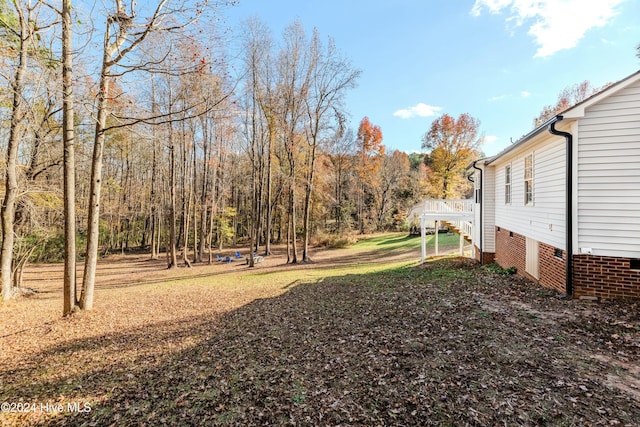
(436, 235)
(423, 240)
(460, 213)
(473, 238)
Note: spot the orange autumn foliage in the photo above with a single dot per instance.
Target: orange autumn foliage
(370, 148)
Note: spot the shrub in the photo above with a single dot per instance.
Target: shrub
(51, 249)
(334, 241)
(495, 268)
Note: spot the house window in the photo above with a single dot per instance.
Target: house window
(507, 185)
(528, 180)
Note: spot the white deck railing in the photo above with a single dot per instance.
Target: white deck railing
(457, 212)
(433, 207)
(448, 205)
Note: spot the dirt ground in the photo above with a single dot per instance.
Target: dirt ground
(448, 343)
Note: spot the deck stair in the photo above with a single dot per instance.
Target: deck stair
(454, 227)
(456, 214)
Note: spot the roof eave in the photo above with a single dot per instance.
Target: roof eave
(577, 111)
(525, 139)
(572, 113)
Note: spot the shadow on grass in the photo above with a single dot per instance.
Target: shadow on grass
(399, 240)
(409, 346)
(409, 241)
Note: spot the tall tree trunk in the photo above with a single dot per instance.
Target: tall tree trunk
(173, 257)
(186, 198)
(361, 196)
(93, 229)
(194, 197)
(254, 220)
(307, 202)
(210, 235)
(186, 216)
(110, 48)
(292, 213)
(8, 210)
(288, 237)
(68, 136)
(269, 207)
(258, 196)
(155, 229)
(206, 154)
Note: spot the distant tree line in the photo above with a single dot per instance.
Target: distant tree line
(149, 135)
(145, 139)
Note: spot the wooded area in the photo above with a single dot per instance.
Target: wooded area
(137, 128)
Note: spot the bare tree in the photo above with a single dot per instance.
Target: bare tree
(124, 32)
(259, 126)
(395, 168)
(341, 161)
(264, 81)
(331, 77)
(295, 79)
(568, 97)
(23, 32)
(68, 138)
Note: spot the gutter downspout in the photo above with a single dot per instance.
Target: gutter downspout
(481, 231)
(569, 202)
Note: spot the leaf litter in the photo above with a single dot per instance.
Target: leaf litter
(449, 343)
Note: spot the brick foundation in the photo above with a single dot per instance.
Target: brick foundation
(552, 268)
(487, 257)
(604, 277)
(511, 250)
(593, 276)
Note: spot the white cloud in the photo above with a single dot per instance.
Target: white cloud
(418, 110)
(494, 6)
(554, 24)
(525, 94)
(490, 138)
(498, 98)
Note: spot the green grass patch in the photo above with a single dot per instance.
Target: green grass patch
(287, 278)
(402, 241)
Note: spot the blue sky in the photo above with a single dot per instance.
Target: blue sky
(499, 60)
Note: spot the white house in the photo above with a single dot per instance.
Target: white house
(569, 190)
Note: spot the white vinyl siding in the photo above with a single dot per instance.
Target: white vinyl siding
(543, 221)
(608, 176)
(488, 213)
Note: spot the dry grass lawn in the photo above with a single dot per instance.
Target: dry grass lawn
(362, 336)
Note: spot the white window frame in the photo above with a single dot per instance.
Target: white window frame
(528, 182)
(508, 174)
